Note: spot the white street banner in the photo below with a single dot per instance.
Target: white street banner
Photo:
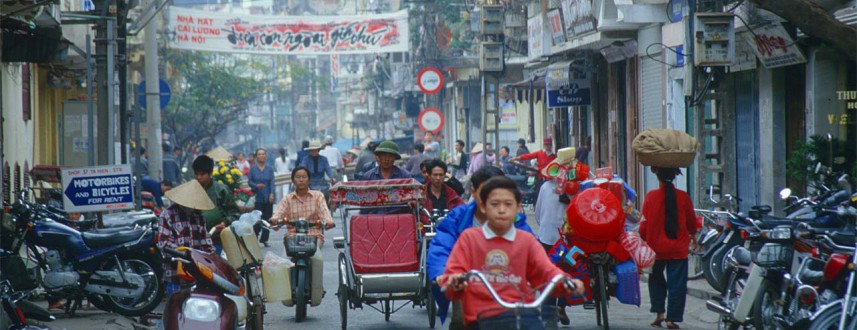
(285, 35)
(774, 46)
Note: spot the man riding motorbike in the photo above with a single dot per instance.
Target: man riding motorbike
(318, 167)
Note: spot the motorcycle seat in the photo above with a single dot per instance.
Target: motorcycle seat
(846, 238)
(101, 239)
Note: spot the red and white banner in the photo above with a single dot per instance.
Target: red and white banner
(284, 35)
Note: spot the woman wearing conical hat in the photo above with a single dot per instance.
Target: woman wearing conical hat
(182, 225)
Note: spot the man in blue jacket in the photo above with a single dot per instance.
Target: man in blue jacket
(448, 230)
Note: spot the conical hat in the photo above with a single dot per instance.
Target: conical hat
(219, 153)
(190, 195)
(477, 148)
(563, 157)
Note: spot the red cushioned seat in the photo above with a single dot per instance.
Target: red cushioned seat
(383, 243)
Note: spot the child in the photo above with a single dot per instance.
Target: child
(491, 249)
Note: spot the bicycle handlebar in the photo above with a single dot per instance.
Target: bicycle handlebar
(505, 304)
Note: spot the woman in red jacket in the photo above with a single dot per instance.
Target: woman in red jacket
(668, 225)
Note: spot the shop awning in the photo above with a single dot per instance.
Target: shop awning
(527, 89)
(558, 75)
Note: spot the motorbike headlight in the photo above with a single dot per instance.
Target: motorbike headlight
(203, 310)
(780, 233)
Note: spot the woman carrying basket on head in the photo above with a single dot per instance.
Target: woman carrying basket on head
(669, 222)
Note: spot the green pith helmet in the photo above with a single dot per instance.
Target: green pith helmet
(388, 147)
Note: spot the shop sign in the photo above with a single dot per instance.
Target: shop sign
(97, 188)
(564, 92)
(557, 28)
(538, 41)
(775, 47)
(508, 114)
(579, 17)
(287, 35)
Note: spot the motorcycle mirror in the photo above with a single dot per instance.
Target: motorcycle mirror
(785, 193)
(843, 182)
(817, 167)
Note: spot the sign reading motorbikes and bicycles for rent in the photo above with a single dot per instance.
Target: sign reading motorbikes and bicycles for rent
(287, 35)
(97, 188)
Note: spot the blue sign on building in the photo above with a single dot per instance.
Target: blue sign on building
(576, 93)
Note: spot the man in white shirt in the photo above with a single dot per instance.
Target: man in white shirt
(334, 157)
(432, 148)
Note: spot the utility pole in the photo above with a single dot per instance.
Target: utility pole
(105, 50)
(153, 102)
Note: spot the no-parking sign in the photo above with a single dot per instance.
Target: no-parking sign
(431, 120)
(430, 80)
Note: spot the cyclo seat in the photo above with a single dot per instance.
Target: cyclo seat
(102, 239)
(383, 243)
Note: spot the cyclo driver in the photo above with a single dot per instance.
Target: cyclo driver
(318, 166)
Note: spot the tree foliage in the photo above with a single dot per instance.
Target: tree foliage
(210, 92)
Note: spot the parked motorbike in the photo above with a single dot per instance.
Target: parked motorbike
(18, 310)
(217, 299)
(300, 247)
(118, 270)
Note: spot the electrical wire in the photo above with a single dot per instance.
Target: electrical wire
(649, 55)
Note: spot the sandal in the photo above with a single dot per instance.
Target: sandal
(672, 325)
(658, 323)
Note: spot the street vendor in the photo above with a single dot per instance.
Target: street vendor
(450, 228)
(551, 204)
(225, 210)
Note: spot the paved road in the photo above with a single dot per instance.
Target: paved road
(326, 316)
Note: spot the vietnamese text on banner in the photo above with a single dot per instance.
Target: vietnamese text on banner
(284, 35)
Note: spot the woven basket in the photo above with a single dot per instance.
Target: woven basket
(667, 159)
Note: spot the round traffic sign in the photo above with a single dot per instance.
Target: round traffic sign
(430, 80)
(164, 93)
(431, 119)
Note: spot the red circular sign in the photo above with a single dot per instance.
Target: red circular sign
(430, 80)
(431, 119)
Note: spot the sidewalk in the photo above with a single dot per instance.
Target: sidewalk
(698, 288)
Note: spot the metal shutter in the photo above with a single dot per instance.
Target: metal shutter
(652, 105)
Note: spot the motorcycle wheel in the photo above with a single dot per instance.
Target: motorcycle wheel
(765, 307)
(257, 314)
(300, 295)
(695, 261)
(828, 320)
(713, 269)
(152, 294)
(734, 287)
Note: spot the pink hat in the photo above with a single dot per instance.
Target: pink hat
(548, 141)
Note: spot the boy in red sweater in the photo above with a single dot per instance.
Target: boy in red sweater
(513, 262)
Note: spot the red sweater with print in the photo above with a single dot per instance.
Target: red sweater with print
(522, 263)
(652, 226)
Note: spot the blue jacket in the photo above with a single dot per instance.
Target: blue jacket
(459, 219)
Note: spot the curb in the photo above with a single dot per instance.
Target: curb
(700, 293)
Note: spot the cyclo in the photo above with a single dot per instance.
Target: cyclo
(382, 256)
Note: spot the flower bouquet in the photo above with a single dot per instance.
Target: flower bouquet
(244, 197)
(228, 174)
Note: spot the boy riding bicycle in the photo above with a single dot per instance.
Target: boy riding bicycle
(513, 261)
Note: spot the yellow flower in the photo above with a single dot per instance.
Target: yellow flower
(222, 170)
(231, 181)
(235, 171)
(229, 177)
(218, 181)
(222, 163)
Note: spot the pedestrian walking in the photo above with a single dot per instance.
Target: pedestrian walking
(333, 155)
(522, 148)
(431, 147)
(281, 167)
(584, 149)
(668, 225)
(170, 164)
(417, 158)
(476, 159)
(261, 181)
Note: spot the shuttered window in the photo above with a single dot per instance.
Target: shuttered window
(651, 115)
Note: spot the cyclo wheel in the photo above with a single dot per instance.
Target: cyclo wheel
(431, 306)
(601, 301)
(300, 296)
(342, 292)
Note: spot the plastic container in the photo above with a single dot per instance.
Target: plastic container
(276, 280)
(236, 254)
(596, 215)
